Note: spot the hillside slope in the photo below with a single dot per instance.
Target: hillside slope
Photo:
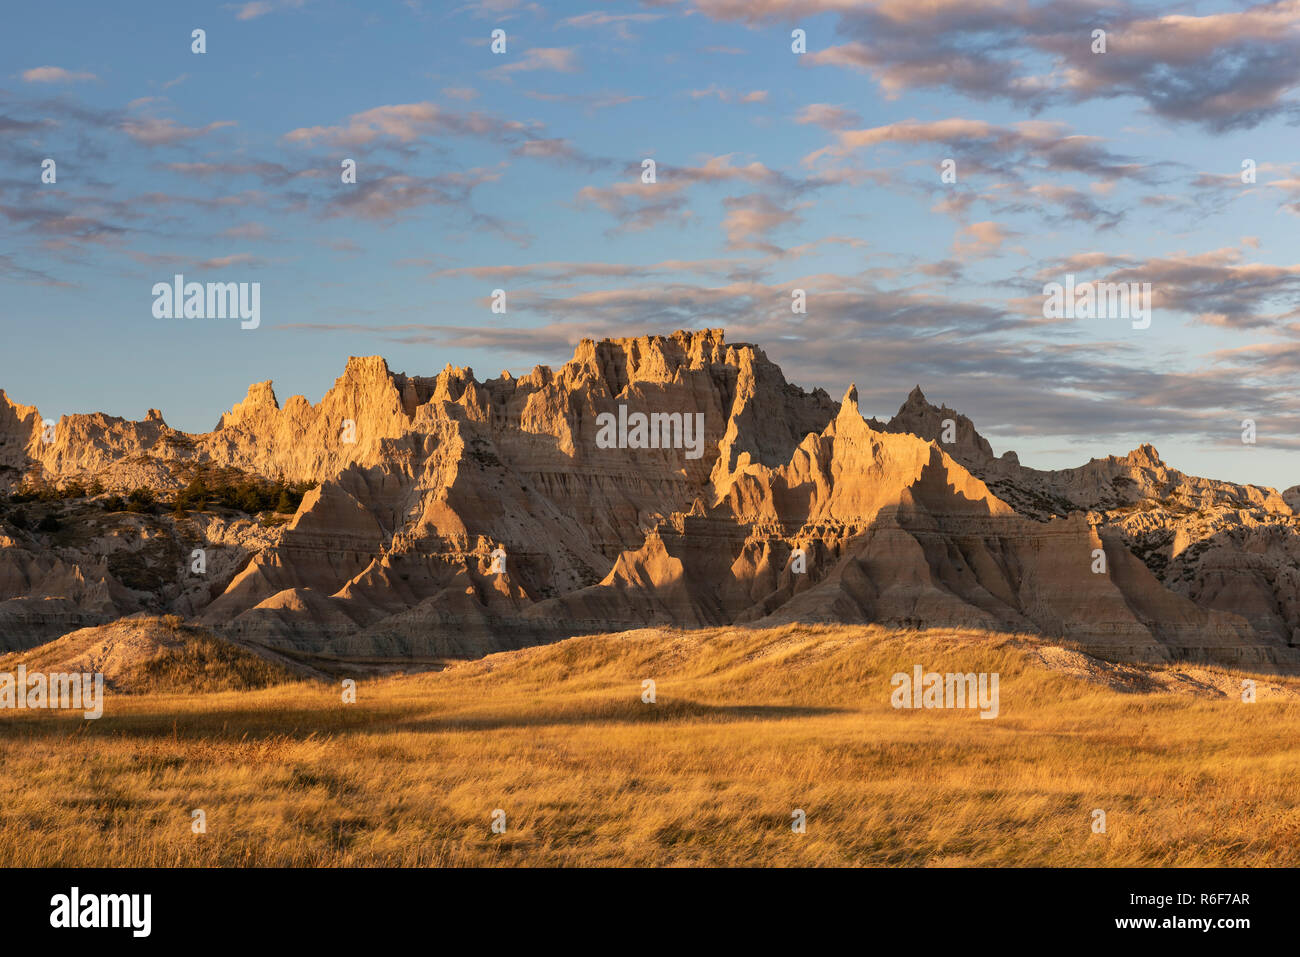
(746, 727)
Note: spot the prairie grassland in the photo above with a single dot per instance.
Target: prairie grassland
(748, 726)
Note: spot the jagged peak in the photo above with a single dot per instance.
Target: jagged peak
(1144, 454)
(19, 410)
(260, 397)
(361, 364)
(453, 382)
(919, 416)
(686, 338)
(849, 420)
(458, 373)
(917, 402)
(690, 345)
(261, 393)
(1292, 497)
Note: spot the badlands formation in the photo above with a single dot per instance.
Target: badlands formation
(453, 517)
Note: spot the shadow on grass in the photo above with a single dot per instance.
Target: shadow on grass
(303, 723)
(619, 713)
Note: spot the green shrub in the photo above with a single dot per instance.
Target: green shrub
(140, 500)
(73, 489)
(230, 488)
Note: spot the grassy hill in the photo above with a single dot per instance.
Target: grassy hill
(157, 653)
(748, 726)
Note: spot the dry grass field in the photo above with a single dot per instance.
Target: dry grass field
(747, 727)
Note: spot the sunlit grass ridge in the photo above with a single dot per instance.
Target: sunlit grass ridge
(748, 726)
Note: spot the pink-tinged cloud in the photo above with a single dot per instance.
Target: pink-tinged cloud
(619, 21)
(156, 131)
(225, 262)
(827, 116)
(981, 239)
(559, 59)
(251, 11)
(55, 74)
(980, 146)
(404, 123)
(1216, 288)
(245, 231)
(1222, 71)
(729, 96)
(260, 8)
(751, 219)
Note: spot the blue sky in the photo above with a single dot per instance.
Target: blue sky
(775, 171)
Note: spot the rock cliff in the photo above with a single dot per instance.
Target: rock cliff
(453, 517)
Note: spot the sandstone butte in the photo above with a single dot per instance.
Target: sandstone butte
(390, 555)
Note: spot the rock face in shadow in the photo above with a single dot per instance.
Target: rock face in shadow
(1227, 547)
(455, 517)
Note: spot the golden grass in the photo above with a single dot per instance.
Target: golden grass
(749, 725)
(204, 664)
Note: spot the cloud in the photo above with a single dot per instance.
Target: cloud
(979, 240)
(245, 231)
(62, 228)
(638, 206)
(386, 194)
(589, 101)
(157, 131)
(271, 174)
(559, 59)
(563, 271)
(1216, 288)
(1222, 71)
(251, 11)
(225, 262)
(619, 21)
(9, 124)
(748, 268)
(1074, 205)
(983, 147)
(260, 8)
(1274, 360)
(403, 123)
(399, 126)
(501, 10)
(560, 151)
(830, 117)
(55, 74)
(729, 96)
(751, 219)
(19, 273)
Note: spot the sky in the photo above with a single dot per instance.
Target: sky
(1170, 157)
